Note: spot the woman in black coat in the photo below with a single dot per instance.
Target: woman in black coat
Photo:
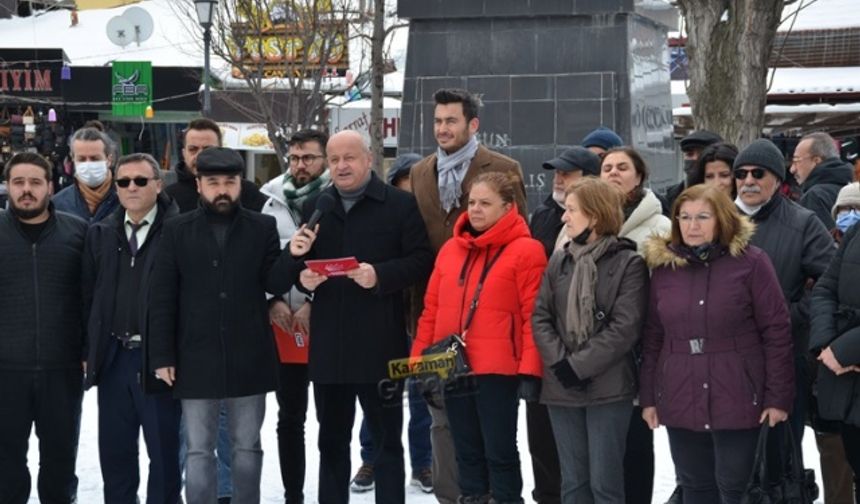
(835, 338)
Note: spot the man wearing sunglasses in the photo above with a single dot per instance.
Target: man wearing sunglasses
(796, 241)
(118, 262)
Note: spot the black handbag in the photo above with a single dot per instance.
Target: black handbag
(453, 346)
(788, 484)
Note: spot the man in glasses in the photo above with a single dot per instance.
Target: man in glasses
(796, 241)
(201, 134)
(820, 173)
(118, 261)
(290, 314)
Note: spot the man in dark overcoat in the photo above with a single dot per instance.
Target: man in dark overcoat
(357, 320)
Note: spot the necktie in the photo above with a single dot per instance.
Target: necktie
(132, 240)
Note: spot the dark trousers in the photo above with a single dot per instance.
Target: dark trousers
(52, 400)
(292, 397)
(713, 467)
(544, 454)
(418, 431)
(851, 442)
(639, 461)
(123, 410)
(383, 409)
(483, 419)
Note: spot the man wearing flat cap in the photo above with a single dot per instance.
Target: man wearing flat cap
(570, 166)
(209, 320)
(692, 146)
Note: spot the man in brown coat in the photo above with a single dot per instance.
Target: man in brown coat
(441, 183)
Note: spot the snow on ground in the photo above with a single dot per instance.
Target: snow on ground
(90, 487)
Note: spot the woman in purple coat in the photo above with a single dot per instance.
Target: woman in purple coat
(717, 356)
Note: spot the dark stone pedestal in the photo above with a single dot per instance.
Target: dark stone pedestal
(548, 72)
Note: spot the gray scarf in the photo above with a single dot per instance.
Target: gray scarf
(583, 284)
(452, 170)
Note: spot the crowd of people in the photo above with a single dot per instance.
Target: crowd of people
(610, 310)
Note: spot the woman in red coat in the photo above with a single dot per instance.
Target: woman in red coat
(498, 343)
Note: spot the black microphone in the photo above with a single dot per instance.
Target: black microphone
(325, 203)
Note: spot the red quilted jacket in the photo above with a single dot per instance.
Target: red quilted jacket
(499, 340)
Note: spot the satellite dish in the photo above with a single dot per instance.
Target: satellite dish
(134, 25)
(142, 23)
(120, 31)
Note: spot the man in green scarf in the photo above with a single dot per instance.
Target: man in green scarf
(290, 314)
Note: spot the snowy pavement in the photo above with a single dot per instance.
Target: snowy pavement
(90, 487)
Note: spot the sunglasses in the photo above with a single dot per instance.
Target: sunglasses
(757, 173)
(138, 181)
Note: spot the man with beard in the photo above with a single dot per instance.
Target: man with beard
(290, 314)
(202, 134)
(796, 241)
(41, 335)
(692, 146)
(92, 197)
(118, 263)
(209, 323)
(440, 183)
(199, 135)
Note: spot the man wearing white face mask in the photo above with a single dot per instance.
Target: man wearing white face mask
(93, 196)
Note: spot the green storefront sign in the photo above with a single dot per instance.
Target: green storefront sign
(131, 87)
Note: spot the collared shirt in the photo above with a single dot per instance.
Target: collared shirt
(143, 231)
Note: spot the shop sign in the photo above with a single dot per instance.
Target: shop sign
(131, 87)
(358, 119)
(246, 136)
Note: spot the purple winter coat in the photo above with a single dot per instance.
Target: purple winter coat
(717, 344)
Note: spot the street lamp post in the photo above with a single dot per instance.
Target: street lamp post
(205, 12)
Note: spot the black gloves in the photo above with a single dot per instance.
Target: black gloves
(529, 389)
(565, 374)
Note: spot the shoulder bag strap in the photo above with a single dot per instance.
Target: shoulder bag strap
(474, 305)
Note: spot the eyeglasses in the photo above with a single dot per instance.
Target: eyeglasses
(757, 173)
(138, 181)
(688, 219)
(306, 159)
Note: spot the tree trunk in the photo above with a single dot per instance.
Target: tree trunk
(728, 60)
(377, 68)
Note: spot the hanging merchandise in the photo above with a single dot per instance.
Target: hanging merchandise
(29, 117)
(52, 115)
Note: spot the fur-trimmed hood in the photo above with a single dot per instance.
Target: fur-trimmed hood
(659, 253)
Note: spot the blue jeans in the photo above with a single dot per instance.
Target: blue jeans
(420, 450)
(591, 442)
(222, 451)
(244, 421)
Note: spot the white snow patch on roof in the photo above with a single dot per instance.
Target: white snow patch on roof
(821, 15)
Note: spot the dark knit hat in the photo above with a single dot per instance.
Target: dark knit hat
(602, 137)
(401, 166)
(765, 154)
(575, 158)
(220, 161)
(699, 139)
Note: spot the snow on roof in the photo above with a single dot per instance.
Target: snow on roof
(176, 41)
(796, 81)
(821, 15)
(171, 44)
